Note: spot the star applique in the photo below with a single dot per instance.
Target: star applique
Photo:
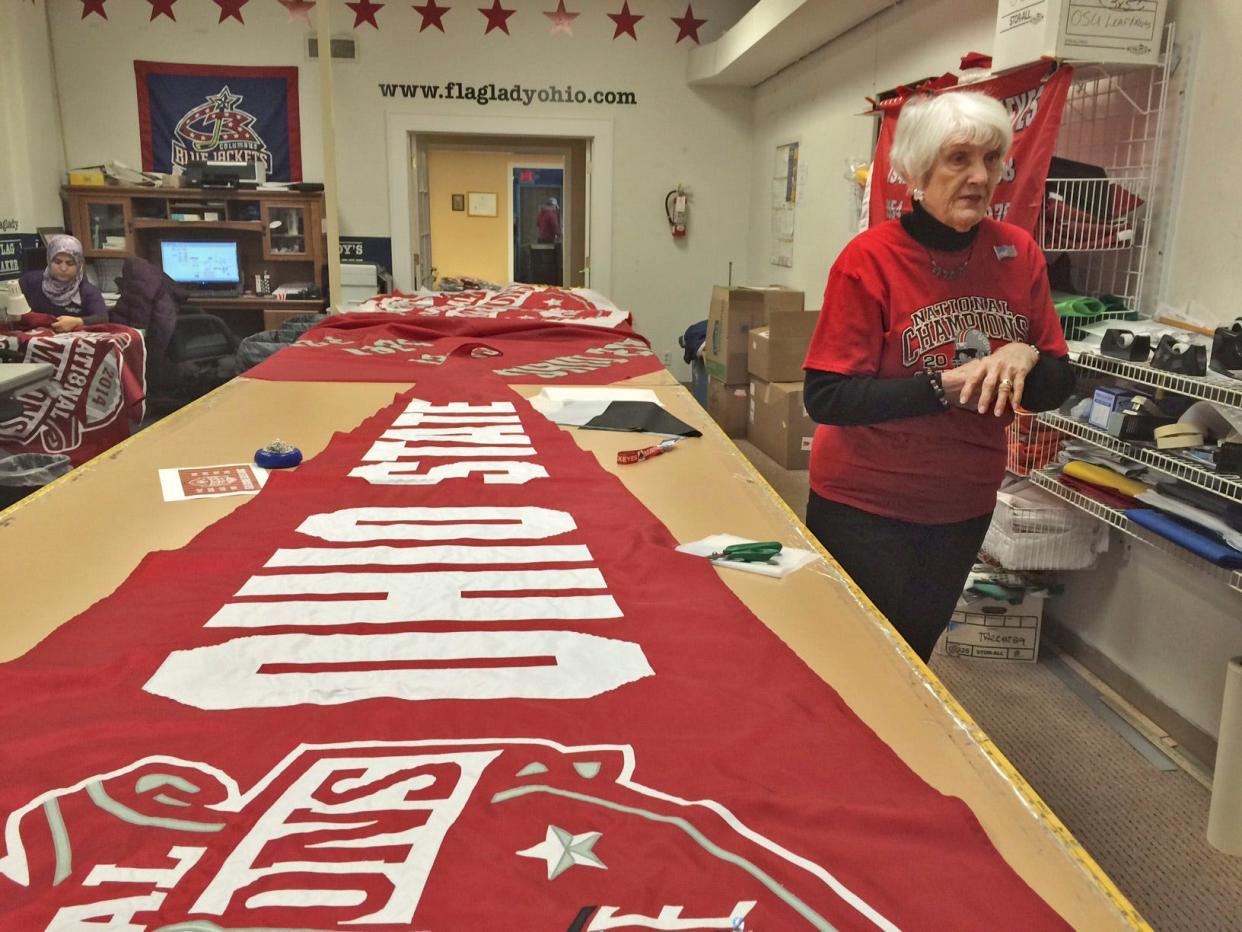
(298, 9)
(562, 19)
(687, 25)
(563, 850)
(364, 12)
(93, 6)
(497, 17)
(231, 9)
(162, 8)
(432, 15)
(625, 21)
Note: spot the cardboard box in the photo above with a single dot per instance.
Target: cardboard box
(1086, 30)
(992, 630)
(733, 312)
(776, 352)
(778, 424)
(727, 404)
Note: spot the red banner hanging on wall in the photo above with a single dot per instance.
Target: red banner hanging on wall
(423, 682)
(1035, 99)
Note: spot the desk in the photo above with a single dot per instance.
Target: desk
(687, 489)
(248, 314)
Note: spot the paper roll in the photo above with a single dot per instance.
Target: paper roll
(1224, 829)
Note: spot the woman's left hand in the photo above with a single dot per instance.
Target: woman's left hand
(1000, 377)
(67, 323)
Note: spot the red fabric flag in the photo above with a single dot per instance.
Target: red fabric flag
(388, 348)
(96, 393)
(1034, 100)
(450, 674)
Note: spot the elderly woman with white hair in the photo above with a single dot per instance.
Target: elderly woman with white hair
(934, 328)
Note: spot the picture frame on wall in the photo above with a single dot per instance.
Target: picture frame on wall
(459, 202)
(481, 204)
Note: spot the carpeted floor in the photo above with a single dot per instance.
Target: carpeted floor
(1144, 825)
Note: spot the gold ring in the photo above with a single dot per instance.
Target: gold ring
(1006, 384)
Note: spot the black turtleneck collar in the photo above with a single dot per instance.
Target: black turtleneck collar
(933, 234)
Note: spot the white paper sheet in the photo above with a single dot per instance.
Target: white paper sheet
(574, 406)
(784, 563)
(185, 483)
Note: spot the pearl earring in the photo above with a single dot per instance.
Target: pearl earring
(916, 194)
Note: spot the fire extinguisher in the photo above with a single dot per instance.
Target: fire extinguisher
(677, 210)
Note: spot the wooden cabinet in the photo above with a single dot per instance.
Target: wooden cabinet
(279, 236)
(104, 224)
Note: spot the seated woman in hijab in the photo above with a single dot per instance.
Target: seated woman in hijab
(62, 291)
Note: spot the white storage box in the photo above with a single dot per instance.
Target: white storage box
(1126, 31)
(1033, 530)
(993, 630)
(359, 281)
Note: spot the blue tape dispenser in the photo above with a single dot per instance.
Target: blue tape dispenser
(278, 455)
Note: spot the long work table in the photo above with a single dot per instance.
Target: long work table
(76, 541)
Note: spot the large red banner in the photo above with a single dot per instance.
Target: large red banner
(451, 675)
(378, 347)
(97, 390)
(1035, 99)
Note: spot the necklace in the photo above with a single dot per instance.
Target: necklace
(950, 273)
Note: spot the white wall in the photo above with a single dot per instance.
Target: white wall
(1159, 620)
(31, 160)
(817, 102)
(674, 134)
(1203, 260)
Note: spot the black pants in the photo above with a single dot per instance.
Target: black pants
(913, 573)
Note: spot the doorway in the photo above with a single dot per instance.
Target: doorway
(538, 233)
(586, 210)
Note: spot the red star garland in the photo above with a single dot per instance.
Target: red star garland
(688, 26)
(497, 17)
(93, 6)
(432, 15)
(162, 8)
(625, 21)
(364, 12)
(231, 9)
(562, 19)
(298, 9)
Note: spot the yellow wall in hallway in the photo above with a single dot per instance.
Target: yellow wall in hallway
(466, 245)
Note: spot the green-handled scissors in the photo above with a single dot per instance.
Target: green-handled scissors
(760, 551)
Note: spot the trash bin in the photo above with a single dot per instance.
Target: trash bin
(23, 473)
(257, 347)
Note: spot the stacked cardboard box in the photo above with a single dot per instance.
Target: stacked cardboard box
(777, 422)
(734, 312)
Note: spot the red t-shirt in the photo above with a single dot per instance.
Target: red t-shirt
(886, 315)
(547, 224)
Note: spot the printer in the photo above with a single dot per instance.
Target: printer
(211, 174)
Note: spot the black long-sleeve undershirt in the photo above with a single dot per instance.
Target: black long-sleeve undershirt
(846, 400)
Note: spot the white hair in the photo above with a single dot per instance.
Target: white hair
(927, 124)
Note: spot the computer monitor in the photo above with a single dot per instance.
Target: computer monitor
(204, 266)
